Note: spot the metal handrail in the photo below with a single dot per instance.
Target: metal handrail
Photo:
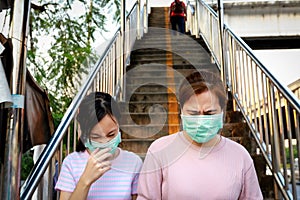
(295, 88)
(270, 109)
(209, 30)
(18, 32)
(264, 101)
(283, 89)
(41, 164)
(101, 78)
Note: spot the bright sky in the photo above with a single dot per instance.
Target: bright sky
(282, 63)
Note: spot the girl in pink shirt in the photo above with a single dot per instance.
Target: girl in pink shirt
(198, 163)
(99, 169)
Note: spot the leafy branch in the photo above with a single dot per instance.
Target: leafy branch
(70, 37)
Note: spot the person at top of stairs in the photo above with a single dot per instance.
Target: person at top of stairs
(178, 15)
(99, 169)
(199, 163)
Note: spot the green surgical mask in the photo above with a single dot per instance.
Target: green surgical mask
(113, 144)
(202, 128)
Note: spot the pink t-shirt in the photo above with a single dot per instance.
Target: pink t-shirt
(120, 182)
(176, 169)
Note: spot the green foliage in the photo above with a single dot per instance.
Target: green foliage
(57, 118)
(70, 56)
(26, 164)
(61, 67)
(287, 152)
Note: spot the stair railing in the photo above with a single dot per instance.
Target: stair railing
(106, 76)
(270, 109)
(295, 87)
(203, 21)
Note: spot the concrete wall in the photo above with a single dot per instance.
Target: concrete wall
(267, 18)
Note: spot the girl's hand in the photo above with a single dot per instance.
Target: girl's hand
(97, 164)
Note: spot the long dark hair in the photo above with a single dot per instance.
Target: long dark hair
(92, 110)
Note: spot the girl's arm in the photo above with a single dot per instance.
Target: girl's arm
(96, 166)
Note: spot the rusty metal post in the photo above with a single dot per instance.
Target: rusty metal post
(221, 40)
(13, 146)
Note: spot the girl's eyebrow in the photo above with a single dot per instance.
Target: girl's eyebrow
(210, 111)
(193, 111)
(100, 135)
(112, 131)
(205, 112)
(95, 135)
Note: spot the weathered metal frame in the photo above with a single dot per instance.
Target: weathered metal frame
(270, 109)
(106, 76)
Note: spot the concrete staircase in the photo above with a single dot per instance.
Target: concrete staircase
(158, 63)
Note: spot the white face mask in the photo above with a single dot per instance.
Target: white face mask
(113, 144)
(202, 128)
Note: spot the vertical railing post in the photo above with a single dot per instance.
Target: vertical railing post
(273, 130)
(145, 25)
(138, 21)
(196, 20)
(13, 145)
(221, 38)
(123, 39)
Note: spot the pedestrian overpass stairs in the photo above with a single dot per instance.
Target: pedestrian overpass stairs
(158, 63)
(260, 112)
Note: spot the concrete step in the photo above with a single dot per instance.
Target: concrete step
(234, 129)
(144, 106)
(174, 41)
(156, 68)
(190, 57)
(234, 116)
(160, 79)
(154, 23)
(160, 71)
(179, 54)
(164, 34)
(200, 61)
(170, 53)
(153, 97)
(177, 67)
(146, 50)
(147, 118)
(154, 32)
(154, 131)
(165, 71)
(136, 145)
(157, 10)
(160, 52)
(171, 46)
(158, 16)
(187, 57)
(151, 88)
